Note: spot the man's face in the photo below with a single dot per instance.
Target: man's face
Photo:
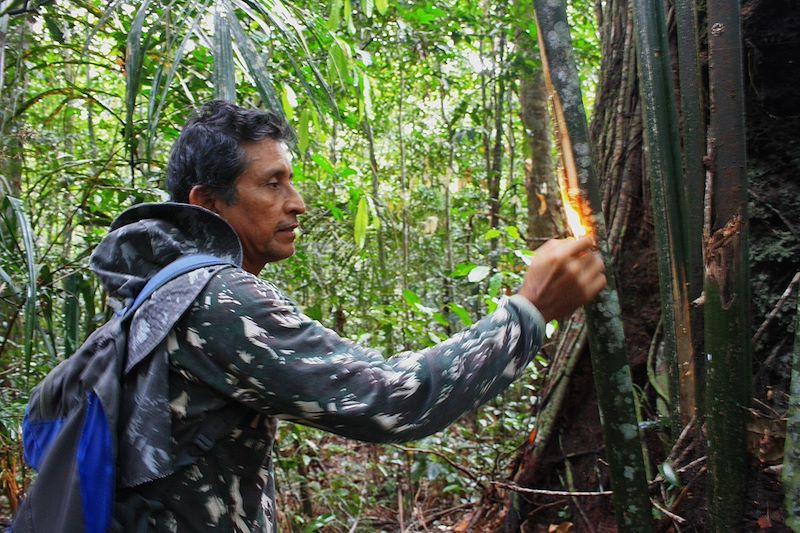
(265, 212)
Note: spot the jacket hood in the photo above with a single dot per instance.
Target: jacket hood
(147, 237)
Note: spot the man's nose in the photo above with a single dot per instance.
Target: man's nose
(295, 203)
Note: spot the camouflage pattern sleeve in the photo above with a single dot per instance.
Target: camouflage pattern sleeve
(249, 342)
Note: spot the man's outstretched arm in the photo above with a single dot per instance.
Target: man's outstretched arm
(249, 342)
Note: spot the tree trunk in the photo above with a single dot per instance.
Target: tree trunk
(791, 456)
(567, 419)
(541, 185)
(727, 283)
(669, 206)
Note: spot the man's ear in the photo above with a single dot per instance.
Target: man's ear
(200, 195)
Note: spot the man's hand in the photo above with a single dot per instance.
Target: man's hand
(563, 275)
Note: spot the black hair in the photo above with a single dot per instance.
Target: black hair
(209, 150)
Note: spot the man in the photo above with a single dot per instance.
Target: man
(243, 352)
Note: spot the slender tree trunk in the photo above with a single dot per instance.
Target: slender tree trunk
(541, 185)
(496, 163)
(669, 211)
(791, 455)
(727, 283)
(617, 141)
(447, 215)
(381, 241)
(613, 382)
(693, 148)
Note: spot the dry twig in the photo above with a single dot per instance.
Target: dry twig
(772, 314)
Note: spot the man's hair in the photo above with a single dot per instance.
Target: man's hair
(210, 151)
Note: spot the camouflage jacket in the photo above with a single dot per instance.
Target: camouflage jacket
(243, 343)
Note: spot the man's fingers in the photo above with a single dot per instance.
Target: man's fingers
(591, 260)
(577, 247)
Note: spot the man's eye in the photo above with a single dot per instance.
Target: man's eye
(274, 184)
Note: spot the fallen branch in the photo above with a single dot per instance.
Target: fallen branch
(772, 314)
(544, 492)
(668, 513)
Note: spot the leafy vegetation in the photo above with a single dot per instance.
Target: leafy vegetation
(393, 106)
(414, 153)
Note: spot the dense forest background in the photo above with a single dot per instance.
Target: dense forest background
(430, 155)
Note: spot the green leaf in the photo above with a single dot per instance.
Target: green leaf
(462, 270)
(365, 87)
(492, 234)
(461, 313)
(324, 164)
(362, 221)
(348, 17)
(434, 337)
(134, 58)
(339, 58)
(495, 282)
(669, 474)
(411, 297)
(52, 26)
(335, 15)
(513, 232)
(382, 6)
(71, 313)
(222, 51)
(368, 5)
(525, 255)
(288, 101)
(314, 312)
(303, 134)
(255, 64)
(478, 273)
(32, 287)
(8, 281)
(441, 319)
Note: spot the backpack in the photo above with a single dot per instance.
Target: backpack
(70, 425)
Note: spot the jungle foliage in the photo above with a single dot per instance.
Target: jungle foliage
(430, 168)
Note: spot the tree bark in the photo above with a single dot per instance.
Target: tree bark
(541, 185)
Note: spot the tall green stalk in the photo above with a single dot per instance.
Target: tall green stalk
(727, 288)
(791, 454)
(693, 149)
(663, 156)
(612, 373)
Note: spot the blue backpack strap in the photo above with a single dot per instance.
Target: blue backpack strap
(180, 266)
